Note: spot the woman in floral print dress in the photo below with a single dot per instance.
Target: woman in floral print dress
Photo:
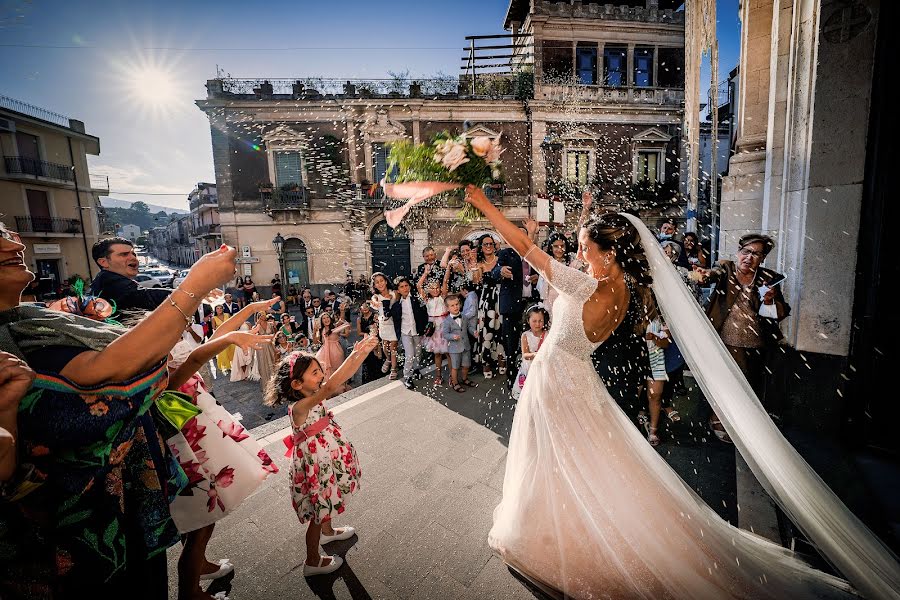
(223, 463)
(324, 467)
(87, 510)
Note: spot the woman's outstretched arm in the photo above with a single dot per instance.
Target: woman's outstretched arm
(514, 236)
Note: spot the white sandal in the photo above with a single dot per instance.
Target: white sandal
(341, 533)
(334, 565)
(225, 567)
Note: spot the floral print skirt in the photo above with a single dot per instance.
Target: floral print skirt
(324, 468)
(488, 350)
(222, 461)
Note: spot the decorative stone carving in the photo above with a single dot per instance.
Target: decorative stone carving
(382, 127)
(284, 137)
(653, 135)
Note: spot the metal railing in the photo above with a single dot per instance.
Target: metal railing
(284, 199)
(20, 165)
(208, 229)
(199, 201)
(47, 225)
(33, 111)
(100, 183)
(562, 91)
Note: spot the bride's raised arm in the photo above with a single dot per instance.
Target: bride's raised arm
(515, 237)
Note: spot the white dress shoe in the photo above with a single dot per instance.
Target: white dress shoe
(334, 565)
(341, 533)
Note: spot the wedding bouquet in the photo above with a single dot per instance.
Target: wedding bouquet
(445, 164)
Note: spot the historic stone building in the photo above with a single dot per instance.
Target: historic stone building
(584, 94)
(813, 168)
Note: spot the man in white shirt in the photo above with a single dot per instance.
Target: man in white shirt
(410, 318)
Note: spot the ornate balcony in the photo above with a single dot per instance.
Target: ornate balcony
(277, 199)
(47, 225)
(20, 165)
(208, 230)
(643, 96)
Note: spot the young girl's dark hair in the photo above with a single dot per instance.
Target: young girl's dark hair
(537, 308)
(279, 390)
(379, 274)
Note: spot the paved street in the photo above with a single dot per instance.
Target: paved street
(433, 463)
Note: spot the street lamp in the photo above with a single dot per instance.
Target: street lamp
(278, 244)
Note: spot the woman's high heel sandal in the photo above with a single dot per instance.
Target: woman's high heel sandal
(652, 437)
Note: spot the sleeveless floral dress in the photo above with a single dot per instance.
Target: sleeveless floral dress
(324, 466)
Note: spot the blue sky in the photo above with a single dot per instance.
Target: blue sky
(88, 59)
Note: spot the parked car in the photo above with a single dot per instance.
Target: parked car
(180, 277)
(164, 275)
(147, 281)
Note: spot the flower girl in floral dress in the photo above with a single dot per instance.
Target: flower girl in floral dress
(324, 466)
(433, 295)
(538, 320)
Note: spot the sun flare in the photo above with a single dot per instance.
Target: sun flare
(152, 86)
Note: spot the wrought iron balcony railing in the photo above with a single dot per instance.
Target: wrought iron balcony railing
(210, 229)
(20, 165)
(285, 199)
(565, 91)
(47, 225)
(204, 200)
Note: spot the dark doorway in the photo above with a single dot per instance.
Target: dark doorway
(296, 263)
(873, 353)
(48, 275)
(390, 250)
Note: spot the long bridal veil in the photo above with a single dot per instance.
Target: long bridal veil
(851, 547)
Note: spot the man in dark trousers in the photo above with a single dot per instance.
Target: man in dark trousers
(509, 271)
(119, 264)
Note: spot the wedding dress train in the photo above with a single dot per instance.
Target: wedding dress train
(591, 509)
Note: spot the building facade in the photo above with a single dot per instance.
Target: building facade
(129, 232)
(588, 95)
(47, 193)
(205, 226)
(812, 169)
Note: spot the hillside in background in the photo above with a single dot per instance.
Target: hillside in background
(154, 208)
(140, 214)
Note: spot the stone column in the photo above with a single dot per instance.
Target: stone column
(350, 135)
(629, 60)
(655, 65)
(601, 72)
(358, 258)
(220, 134)
(538, 164)
(742, 189)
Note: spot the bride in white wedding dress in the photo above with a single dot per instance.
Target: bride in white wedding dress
(590, 509)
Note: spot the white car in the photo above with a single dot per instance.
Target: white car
(162, 274)
(180, 277)
(147, 281)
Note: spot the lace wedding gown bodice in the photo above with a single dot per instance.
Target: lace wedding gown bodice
(567, 330)
(591, 509)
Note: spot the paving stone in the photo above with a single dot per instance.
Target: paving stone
(433, 463)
